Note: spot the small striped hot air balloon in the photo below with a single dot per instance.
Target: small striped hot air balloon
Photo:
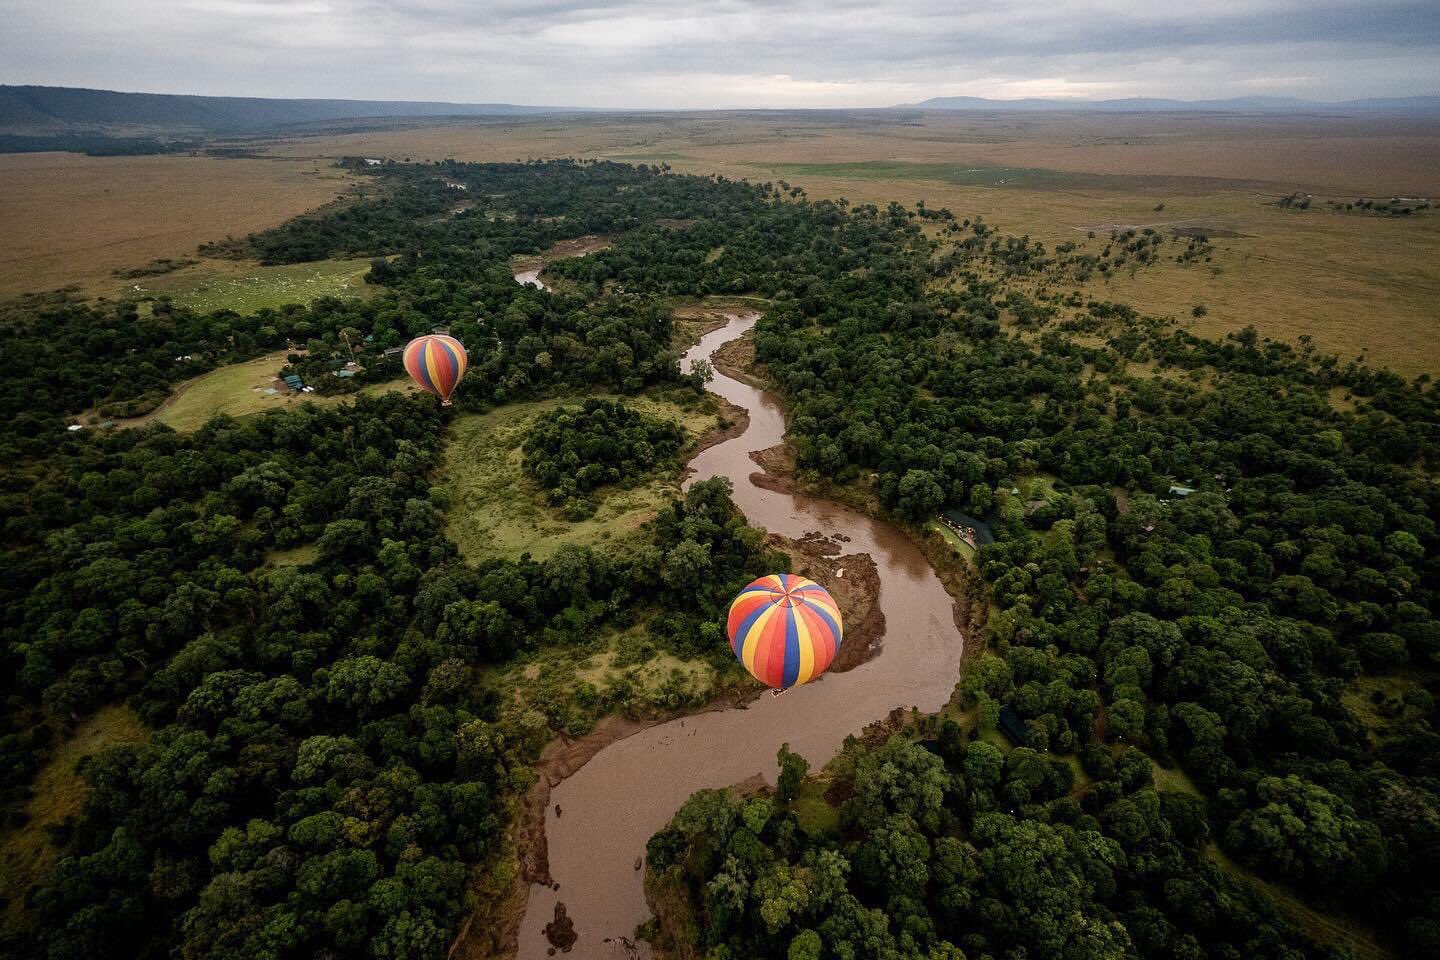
(436, 362)
(785, 629)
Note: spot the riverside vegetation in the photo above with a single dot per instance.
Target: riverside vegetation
(1232, 577)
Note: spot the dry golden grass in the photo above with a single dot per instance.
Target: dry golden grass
(1356, 284)
(67, 218)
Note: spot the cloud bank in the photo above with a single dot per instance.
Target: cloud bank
(728, 53)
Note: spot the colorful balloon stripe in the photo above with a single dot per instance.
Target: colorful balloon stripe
(436, 362)
(785, 629)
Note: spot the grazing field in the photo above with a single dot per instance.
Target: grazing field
(496, 510)
(1357, 284)
(26, 853)
(237, 390)
(72, 219)
(247, 287)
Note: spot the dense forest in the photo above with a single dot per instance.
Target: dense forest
(572, 451)
(1229, 577)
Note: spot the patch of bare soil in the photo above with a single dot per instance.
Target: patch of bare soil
(693, 321)
(578, 247)
(736, 360)
(778, 462)
(853, 581)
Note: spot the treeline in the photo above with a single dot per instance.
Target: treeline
(950, 848)
(94, 145)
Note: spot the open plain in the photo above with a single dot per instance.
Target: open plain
(1357, 282)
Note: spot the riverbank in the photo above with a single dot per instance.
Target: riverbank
(780, 473)
(855, 584)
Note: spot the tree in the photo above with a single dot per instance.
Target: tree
(792, 774)
(920, 495)
(1305, 833)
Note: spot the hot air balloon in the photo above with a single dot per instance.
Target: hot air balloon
(785, 629)
(437, 363)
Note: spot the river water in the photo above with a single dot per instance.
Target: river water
(631, 789)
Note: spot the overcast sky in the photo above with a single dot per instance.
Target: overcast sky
(726, 53)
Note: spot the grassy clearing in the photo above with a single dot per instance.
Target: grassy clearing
(618, 671)
(1174, 780)
(961, 548)
(1382, 701)
(1330, 929)
(239, 391)
(300, 556)
(26, 853)
(497, 511)
(248, 287)
(817, 817)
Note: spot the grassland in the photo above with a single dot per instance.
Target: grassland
(497, 511)
(237, 390)
(960, 547)
(247, 287)
(1386, 701)
(72, 219)
(26, 853)
(1356, 284)
(619, 671)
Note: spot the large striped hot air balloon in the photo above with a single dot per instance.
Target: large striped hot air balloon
(437, 363)
(785, 629)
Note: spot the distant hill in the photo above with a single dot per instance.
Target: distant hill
(1385, 105)
(51, 110)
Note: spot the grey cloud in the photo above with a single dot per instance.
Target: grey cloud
(649, 53)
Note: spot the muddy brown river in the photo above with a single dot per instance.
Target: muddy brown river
(629, 790)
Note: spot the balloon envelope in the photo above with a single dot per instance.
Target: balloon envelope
(785, 629)
(437, 363)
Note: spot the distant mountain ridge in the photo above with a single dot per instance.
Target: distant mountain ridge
(34, 109)
(73, 111)
(1389, 105)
